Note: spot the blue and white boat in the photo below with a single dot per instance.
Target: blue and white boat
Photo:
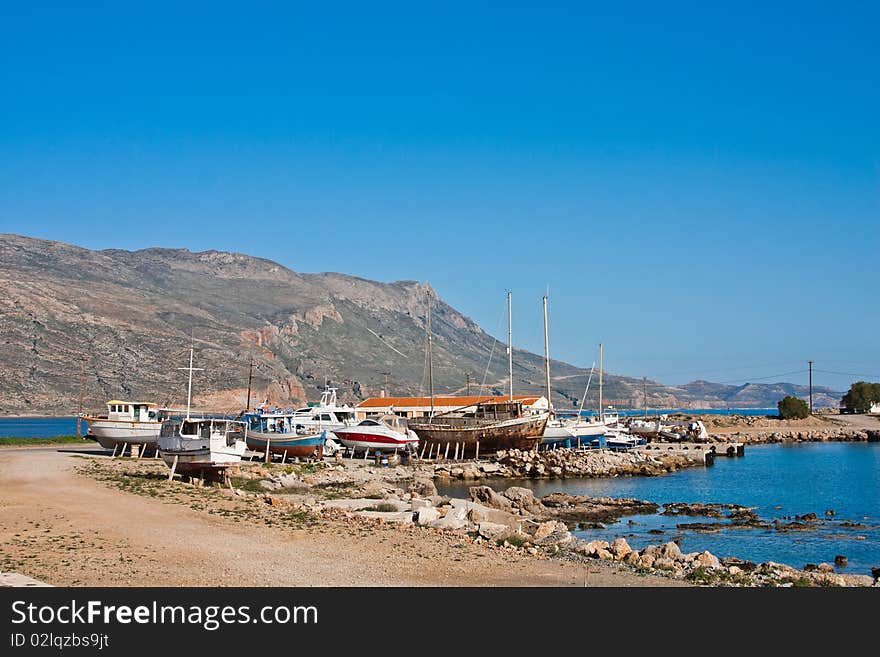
(281, 434)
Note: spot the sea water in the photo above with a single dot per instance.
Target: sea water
(780, 480)
(37, 427)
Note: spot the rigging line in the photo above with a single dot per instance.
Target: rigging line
(382, 340)
(492, 350)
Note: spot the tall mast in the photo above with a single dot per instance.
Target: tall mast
(189, 389)
(430, 353)
(645, 392)
(510, 343)
(547, 354)
(601, 405)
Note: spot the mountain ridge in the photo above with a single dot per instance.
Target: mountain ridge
(128, 317)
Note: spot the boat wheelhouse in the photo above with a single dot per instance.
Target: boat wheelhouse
(281, 433)
(126, 422)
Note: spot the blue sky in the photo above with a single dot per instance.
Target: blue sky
(697, 183)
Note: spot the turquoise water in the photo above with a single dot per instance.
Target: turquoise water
(780, 480)
(37, 427)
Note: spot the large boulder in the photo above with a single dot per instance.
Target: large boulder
(488, 497)
(708, 560)
(427, 515)
(670, 550)
(620, 548)
(423, 487)
(524, 499)
(492, 530)
(545, 529)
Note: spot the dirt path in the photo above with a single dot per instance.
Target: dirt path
(65, 528)
(859, 421)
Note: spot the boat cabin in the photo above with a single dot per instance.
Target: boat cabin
(393, 422)
(127, 411)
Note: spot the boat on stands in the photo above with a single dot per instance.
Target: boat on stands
(201, 445)
(387, 432)
(326, 414)
(492, 425)
(282, 434)
(485, 426)
(126, 423)
(617, 440)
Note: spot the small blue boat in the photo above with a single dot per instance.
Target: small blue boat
(282, 436)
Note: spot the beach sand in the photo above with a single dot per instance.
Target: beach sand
(68, 529)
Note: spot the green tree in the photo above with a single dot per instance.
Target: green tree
(792, 408)
(861, 396)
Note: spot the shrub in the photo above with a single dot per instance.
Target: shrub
(792, 408)
(861, 396)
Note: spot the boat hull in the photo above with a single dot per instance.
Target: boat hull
(194, 455)
(112, 433)
(357, 438)
(518, 433)
(310, 446)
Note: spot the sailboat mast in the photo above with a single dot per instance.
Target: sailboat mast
(430, 354)
(547, 354)
(510, 343)
(189, 389)
(601, 405)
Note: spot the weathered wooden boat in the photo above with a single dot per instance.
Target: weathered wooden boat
(283, 435)
(126, 423)
(494, 425)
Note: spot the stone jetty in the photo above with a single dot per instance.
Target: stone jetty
(562, 463)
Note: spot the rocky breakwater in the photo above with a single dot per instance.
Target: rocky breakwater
(705, 568)
(830, 434)
(562, 463)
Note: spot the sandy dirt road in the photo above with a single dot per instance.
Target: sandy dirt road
(65, 528)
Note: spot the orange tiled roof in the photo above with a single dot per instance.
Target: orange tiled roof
(383, 402)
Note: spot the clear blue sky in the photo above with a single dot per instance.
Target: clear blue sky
(697, 183)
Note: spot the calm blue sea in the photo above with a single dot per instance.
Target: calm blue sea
(638, 412)
(780, 480)
(37, 427)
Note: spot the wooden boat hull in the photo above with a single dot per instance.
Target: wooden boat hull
(518, 433)
(310, 446)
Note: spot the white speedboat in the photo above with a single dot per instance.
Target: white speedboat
(326, 414)
(620, 440)
(387, 432)
(126, 422)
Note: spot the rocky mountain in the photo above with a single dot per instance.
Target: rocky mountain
(124, 321)
(759, 395)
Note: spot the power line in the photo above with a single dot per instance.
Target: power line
(866, 376)
(764, 378)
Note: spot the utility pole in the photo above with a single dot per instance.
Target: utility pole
(467, 378)
(82, 378)
(385, 387)
(645, 393)
(247, 408)
(811, 386)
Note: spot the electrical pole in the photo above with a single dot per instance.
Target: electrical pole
(467, 378)
(247, 408)
(82, 377)
(430, 352)
(811, 386)
(385, 388)
(645, 393)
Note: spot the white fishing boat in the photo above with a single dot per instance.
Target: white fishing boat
(201, 445)
(126, 423)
